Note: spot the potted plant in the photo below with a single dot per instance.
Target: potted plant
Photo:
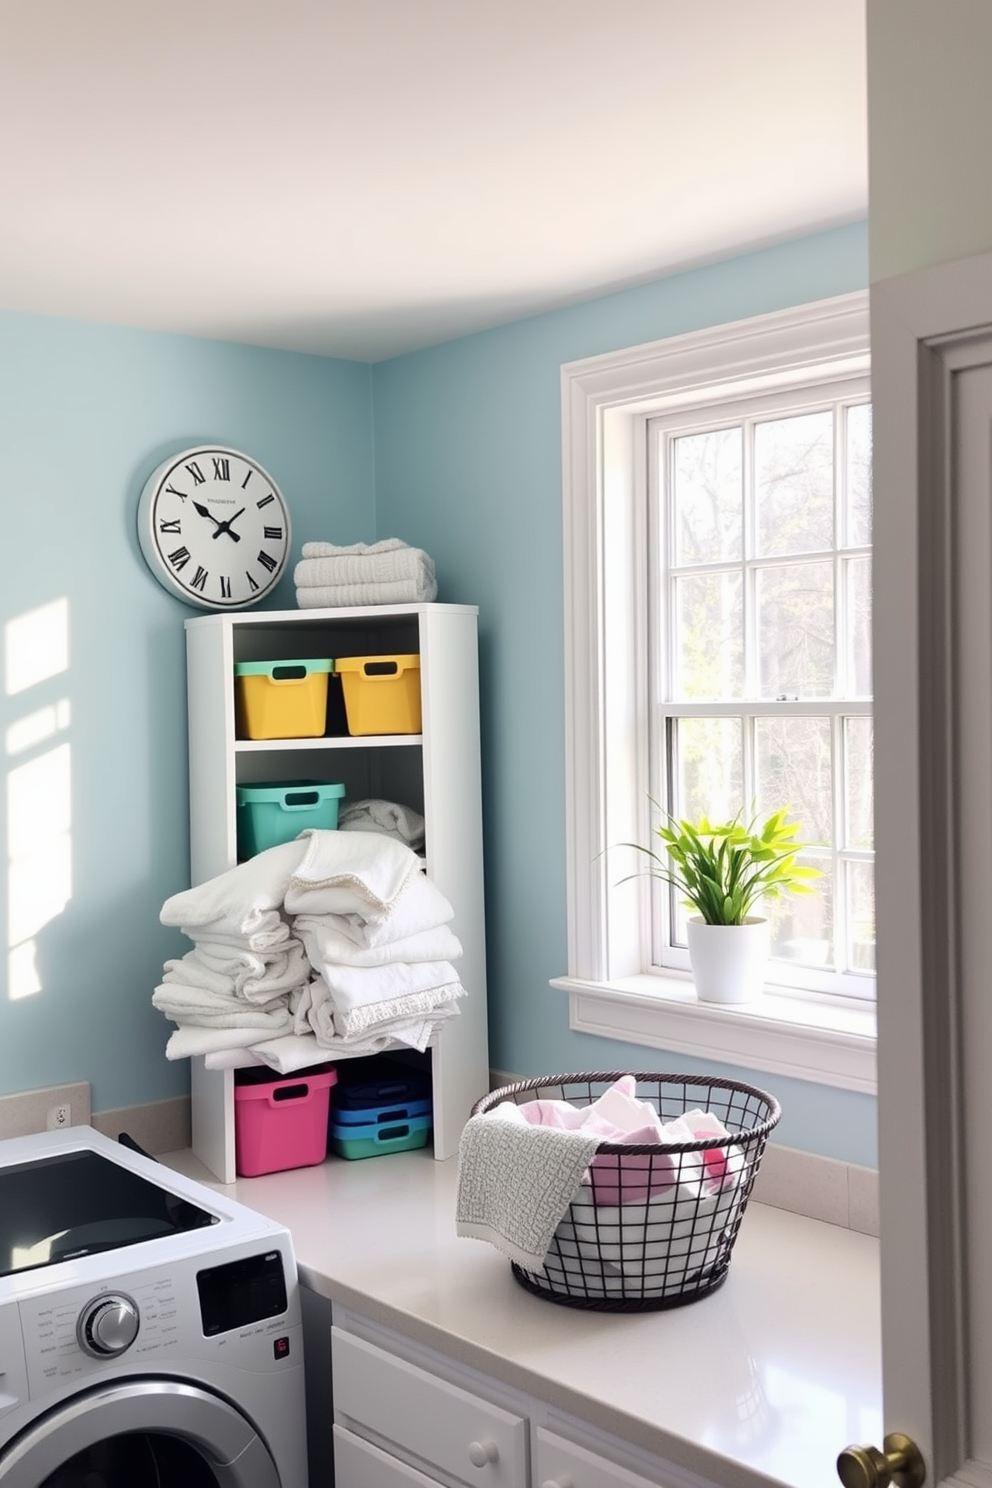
(723, 873)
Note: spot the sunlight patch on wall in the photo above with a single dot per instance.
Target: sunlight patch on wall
(36, 646)
(39, 793)
(38, 727)
(39, 884)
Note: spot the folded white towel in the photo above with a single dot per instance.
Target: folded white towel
(516, 1181)
(271, 931)
(291, 1052)
(327, 946)
(384, 563)
(196, 1007)
(187, 1042)
(314, 1013)
(387, 817)
(355, 987)
(334, 550)
(229, 1058)
(419, 908)
(245, 974)
(411, 994)
(350, 873)
(243, 902)
(340, 596)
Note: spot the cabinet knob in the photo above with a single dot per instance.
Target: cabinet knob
(482, 1452)
(899, 1462)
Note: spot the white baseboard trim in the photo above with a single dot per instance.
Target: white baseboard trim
(823, 1188)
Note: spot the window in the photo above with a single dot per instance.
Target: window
(731, 465)
(758, 579)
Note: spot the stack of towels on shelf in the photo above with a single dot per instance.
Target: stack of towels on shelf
(334, 943)
(387, 572)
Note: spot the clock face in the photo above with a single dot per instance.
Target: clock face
(214, 528)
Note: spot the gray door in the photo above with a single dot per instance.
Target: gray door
(932, 396)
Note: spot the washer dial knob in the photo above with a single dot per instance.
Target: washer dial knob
(108, 1325)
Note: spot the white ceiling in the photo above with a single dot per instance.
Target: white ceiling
(363, 177)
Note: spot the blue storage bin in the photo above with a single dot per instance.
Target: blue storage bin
(270, 814)
(382, 1115)
(366, 1084)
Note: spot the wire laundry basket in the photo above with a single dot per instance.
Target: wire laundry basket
(655, 1225)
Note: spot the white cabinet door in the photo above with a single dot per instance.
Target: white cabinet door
(932, 392)
(359, 1464)
(425, 1416)
(561, 1464)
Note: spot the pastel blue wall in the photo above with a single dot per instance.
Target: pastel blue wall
(462, 458)
(468, 466)
(86, 412)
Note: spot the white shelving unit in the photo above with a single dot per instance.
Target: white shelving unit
(436, 773)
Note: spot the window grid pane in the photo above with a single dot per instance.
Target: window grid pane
(803, 631)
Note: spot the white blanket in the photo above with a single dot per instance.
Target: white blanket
(243, 903)
(349, 873)
(327, 946)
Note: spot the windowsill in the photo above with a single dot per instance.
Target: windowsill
(823, 1040)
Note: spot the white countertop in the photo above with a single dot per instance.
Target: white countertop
(775, 1372)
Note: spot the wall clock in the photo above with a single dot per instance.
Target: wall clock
(214, 528)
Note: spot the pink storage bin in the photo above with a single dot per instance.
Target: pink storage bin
(281, 1121)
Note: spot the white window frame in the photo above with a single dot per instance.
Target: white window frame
(606, 404)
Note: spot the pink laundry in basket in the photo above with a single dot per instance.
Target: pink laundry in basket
(634, 1177)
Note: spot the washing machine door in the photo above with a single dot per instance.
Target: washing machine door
(140, 1433)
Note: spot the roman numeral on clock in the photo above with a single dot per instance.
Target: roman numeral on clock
(173, 492)
(170, 525)
(199, 579)
(179, 558)
(265, 501)
(251, 582)
(267, 561)
(196, 473)
(225, 586)
(274, 532)
(222, 469)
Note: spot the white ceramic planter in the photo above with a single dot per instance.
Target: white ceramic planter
(728, 961)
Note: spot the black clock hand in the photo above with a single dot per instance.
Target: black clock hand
(226, 527)
(205, 512)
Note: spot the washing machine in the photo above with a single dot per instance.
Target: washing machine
(150, 1328)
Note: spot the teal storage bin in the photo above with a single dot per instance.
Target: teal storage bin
(373, 1141)
(270, 814)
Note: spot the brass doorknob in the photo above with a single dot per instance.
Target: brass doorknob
(901, 1462)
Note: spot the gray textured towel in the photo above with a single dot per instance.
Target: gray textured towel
(516, 1181)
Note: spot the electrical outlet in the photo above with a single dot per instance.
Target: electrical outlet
(59, 1116)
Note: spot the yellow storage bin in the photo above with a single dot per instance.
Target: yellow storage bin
(381, 693)
(281, 699)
